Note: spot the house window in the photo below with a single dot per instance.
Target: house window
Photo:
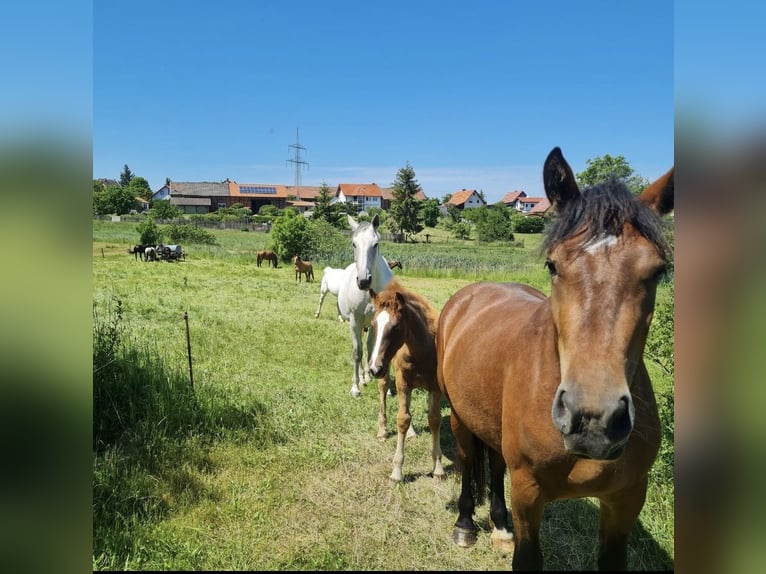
(221, 205)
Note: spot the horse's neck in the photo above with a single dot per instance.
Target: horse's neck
(381, 275)
(421, 334)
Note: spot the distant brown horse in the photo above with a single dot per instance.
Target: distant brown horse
(301, 268)
(394, 263)
(575, 416)
(404, 331)
(266, 255)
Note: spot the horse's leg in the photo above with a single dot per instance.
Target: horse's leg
(403, 422)
(502, 536)
(527, 504)
(619, 512)
(382, 417)
(356, 354)
(370, 343)
(322, 294)
(435, 423)
(467, 453)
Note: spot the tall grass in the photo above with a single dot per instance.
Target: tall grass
(268, 463)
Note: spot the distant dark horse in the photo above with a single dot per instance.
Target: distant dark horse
(138, 251)
(394, 263)
(266, 256)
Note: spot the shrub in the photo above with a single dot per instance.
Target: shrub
(526, 224)
(187, 233)
(150, 232)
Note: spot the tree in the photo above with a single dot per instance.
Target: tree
(292, 236)
(150, 232)
(430, 212)
(126, 176)
(599, 169)
(139, 187)
(114, 200)
(405, 207)
(492, 223)
(163, 209)
(322, 204)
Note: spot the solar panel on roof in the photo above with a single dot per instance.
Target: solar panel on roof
(257, 189)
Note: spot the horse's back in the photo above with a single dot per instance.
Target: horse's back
(475, 307)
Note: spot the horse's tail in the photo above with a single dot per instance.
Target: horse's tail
(477, 472)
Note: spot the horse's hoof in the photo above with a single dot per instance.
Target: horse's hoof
(463, 537)
(356, 393)
(502, 541)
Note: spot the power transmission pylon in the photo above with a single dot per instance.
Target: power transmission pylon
(298, 162)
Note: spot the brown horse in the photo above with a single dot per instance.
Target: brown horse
(555, 388)
(404, 330)
(394, 263)
(303, 267)
(266, 256)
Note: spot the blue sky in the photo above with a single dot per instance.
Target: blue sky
(471, 94)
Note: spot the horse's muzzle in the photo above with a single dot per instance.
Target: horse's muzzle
(599, 434)
(364, 284)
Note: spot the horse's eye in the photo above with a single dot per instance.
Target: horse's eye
(551, 267)
(660, 273)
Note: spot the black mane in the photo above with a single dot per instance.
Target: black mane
(604, 209)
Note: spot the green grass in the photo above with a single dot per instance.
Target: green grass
(270, 464)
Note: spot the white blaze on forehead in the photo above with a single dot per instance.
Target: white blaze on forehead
(600, 243)
(380, 324)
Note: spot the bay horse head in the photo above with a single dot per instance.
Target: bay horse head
(605, 253)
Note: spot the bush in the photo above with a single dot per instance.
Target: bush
(150, 232)
(526, 224)
(292, 236)
(186, 233)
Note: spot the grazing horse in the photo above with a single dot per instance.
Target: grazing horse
(138, 251)
(331, 279)
(301, 268)
(574, 415)
(404, 330)
(150, 254)
(267, 256)
(369, 270)
(394, 263)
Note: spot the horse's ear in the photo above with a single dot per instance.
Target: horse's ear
(659, 195)
(373, 295)
(375, 222)
(558, 179)
(352, 222)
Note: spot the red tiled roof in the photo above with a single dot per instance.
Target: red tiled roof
(305, 191)
(235, 190)
(359, 189)
(542, 205)
(460, 197)
(388, 193)
(512, 196)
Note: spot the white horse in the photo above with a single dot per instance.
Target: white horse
(331, 280)
(150, 254)
(369, 270)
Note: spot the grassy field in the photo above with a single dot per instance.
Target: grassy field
(273, 465)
